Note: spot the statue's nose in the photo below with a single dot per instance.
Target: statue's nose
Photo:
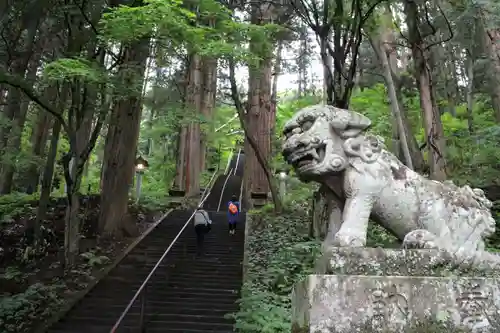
(289, 146)
(286, 150)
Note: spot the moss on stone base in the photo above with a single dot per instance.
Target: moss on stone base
(424, 327)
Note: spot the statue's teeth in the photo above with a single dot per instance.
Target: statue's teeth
(314, 153)
(322, 153)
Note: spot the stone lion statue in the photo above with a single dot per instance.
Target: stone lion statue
(331, 146)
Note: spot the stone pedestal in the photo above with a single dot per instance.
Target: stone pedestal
(395, 291)
(398, 262)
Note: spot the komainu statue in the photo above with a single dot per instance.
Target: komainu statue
(331, 146)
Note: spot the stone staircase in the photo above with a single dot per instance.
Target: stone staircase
(187, 294)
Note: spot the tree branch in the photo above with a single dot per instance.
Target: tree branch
(28, 91)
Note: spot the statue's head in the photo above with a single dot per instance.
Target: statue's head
(321, 139)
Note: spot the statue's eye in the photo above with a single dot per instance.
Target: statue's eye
(307, 125)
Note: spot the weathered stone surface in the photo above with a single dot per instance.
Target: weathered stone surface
(399, 262)
(331, 146)
(362, 304)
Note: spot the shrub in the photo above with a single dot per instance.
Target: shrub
(279, 254)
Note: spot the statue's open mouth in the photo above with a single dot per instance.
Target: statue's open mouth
(307, 158)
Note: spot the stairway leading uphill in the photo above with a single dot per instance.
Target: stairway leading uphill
(187, 294)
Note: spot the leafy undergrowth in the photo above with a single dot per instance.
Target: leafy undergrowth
(34, 286)
(279, 254)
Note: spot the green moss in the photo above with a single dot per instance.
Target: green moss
(428, 326)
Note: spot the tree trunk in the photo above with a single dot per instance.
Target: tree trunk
(328, 96)
(72, 220)
(260, 114)
(180, 168)
(470, 93)
(208, 103)
(21, 58)
(188, 160)
(13, 144)
(13, 108)
(492, 42)
(389, 41)
(380, 50)
(250, 139)
(432, 121)
(193, 103)
(38, 140)
(48, 175)
(452, 90)
(274, 89)
(121, 143)
(303, 61)
(12, 148)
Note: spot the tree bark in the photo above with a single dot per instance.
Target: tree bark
(121, 143)
(193, 104)
(48, 175)
(470, 92)
(188, 162)
(20, 56)
(38, 140)
(389, 41)
(260, 115)
(303, 61)
(261, 158)
(432, 122)
(13, 144)
(208, 103)
(380, 50)
(492, 43)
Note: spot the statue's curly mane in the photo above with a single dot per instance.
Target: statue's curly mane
(472, 200)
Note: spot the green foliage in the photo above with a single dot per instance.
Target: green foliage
(16, 311)
(279, 254)
(471, 157)
(74, 68)
(298, 194)
(373, 103)
(94, 259)
(171, 21)
(379, 237)
(11, 273)
(126, 23)
(15, 204)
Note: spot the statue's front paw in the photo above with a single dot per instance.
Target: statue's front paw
(420, 239)
(349, 240)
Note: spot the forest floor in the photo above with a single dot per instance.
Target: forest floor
(34, 288)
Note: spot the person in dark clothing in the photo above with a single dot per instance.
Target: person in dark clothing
(202, 225)
(233, 212)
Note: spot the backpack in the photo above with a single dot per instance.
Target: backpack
(233, 209)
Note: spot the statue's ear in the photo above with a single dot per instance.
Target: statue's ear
(351, 125)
